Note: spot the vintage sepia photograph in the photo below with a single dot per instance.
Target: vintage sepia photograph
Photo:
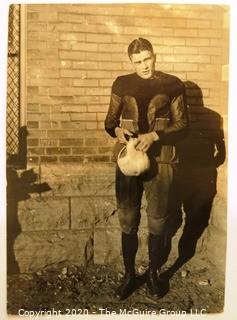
(116, 161)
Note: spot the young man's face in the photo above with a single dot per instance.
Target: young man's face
(144, 63)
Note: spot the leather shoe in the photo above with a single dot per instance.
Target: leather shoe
(127, 286)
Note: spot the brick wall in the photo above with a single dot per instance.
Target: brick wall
(74, 52)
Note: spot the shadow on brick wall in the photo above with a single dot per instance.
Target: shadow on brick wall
(19, 188)
(200, 153)
(18, 160)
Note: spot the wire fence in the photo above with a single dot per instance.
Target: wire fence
(13, 82)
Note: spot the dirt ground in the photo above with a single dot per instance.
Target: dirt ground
(69, 289)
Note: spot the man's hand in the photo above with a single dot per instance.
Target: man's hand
(144, 141)
(120, 133)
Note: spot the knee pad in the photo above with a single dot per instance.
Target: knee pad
(129, 220)
(156, 226)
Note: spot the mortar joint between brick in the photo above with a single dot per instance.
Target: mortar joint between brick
(70, 212)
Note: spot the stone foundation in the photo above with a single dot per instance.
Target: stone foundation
(76, 221)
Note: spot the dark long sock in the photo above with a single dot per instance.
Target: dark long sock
(129, 249)
(155, 250)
